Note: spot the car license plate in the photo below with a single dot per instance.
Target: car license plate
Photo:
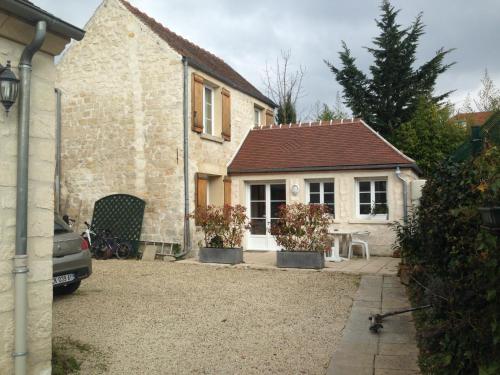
(62, 279)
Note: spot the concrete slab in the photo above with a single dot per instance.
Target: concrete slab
(396, 362)
(395, 372)
(397, 349)
(149, 253)
(393, 350)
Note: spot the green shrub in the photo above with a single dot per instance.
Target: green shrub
(455, 265)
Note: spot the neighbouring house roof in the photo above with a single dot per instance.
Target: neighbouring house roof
(345, 144)
(199, 58)
(472, 118)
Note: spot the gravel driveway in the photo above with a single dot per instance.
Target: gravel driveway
(171, 318)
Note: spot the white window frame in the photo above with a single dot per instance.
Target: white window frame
(372, 198)
(212, 110)
(322, 192)
(258, 111)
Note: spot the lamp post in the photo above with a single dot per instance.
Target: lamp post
(9, 87)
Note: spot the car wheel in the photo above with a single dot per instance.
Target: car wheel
(67, 289)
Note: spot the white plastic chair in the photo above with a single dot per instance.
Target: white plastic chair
(361, 243)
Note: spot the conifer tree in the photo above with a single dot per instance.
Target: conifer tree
(389, 96)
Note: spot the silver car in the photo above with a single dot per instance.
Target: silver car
(71, 259)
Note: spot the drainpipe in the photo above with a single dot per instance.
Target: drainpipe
(58, 152)
(187, 232)
(405, 194)
(21, 257)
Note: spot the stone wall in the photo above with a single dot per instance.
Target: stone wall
(381, 235)
(123, 123)
(40, 203)
(122, 110)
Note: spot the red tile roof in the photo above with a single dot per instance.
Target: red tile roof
(199, 58)
(472, 118)
(350, 144)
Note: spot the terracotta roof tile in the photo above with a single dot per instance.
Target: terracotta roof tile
(473, 118)
(348, 145)
(200, 58)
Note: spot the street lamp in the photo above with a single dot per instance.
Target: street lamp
(9, 87)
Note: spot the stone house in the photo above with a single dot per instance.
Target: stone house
(18, 21)
(343, 164)
(140, 107)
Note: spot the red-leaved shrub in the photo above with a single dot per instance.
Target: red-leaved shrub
(223, 227)
(302, 227)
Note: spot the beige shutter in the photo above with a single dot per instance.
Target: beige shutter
(226, 114)
(227, 190)
(197, 103)
(269, 117)
(201, 190)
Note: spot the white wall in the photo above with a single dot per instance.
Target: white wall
(381, 235)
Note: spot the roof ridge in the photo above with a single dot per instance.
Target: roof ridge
(297, 125)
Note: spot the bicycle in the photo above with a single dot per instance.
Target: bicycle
(106, 246)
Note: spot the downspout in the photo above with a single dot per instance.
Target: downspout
(405, 194)
(57, 186)
(21, 257)
(187, 232)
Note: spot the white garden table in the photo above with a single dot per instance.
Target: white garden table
(339, 236)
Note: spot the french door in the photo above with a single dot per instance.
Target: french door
(264, 200)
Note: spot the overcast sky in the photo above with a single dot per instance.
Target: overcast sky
(247, 34)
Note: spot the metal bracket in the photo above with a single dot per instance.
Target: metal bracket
(19, 354)
(21, 270)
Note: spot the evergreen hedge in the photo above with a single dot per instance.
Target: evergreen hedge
(455, 265)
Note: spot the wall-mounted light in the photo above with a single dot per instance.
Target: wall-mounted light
(9, 86)
(295, 189)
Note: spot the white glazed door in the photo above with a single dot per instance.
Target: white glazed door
(264, 201)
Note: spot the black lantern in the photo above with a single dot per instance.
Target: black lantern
(9, 86)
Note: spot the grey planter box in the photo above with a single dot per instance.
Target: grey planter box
(218, 255)
(300, 259)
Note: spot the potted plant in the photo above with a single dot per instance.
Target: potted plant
(223, 229)
(302, 233)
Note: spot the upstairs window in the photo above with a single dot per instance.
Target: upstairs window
(322, 192)
(372, 199)
(257, 120)
(208, 110)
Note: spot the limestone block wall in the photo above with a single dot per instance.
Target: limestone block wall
(40, 210)
(122, 121)
(381, 235)
(210, 156)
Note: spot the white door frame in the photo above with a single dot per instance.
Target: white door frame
(263, 242)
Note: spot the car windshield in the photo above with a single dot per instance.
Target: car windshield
(60, 226)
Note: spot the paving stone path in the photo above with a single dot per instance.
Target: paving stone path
(393, 351)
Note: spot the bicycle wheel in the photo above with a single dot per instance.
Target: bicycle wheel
(123, 250)
(103, 251)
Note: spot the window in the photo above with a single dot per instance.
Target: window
(208, 110)
(372, 199)
(257, 116)
(322, 192)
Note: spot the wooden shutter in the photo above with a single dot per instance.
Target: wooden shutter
(226, 114)
(269, 117)
(201, 190)
(227, 190)
(197, 103)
